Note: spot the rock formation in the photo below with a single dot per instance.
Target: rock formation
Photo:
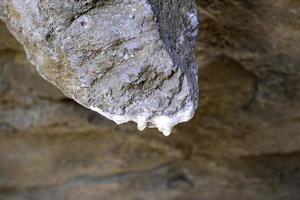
(128, 60)
(242, 143)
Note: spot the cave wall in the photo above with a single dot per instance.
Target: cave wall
(243, 142)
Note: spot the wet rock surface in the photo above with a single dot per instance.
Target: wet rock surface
(243, 142)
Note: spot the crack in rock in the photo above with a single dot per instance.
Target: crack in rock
(129, 60)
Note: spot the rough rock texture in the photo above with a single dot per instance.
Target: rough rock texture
(242, 144)
(129, 60)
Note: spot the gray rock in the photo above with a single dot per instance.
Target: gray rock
(129, 60)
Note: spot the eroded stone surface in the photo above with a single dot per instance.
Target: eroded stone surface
(243, 142)
(129, 60)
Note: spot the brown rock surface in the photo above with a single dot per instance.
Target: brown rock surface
(243, 143)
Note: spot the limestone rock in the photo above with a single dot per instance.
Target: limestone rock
(129, 60)
(243, 142)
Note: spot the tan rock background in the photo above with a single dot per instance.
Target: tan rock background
(243, 143)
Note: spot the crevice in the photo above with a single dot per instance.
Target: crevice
(272, 155)
(88, 179)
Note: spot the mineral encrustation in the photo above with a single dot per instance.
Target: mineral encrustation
(129, 60)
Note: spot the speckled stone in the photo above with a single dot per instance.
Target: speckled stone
(129, 60)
